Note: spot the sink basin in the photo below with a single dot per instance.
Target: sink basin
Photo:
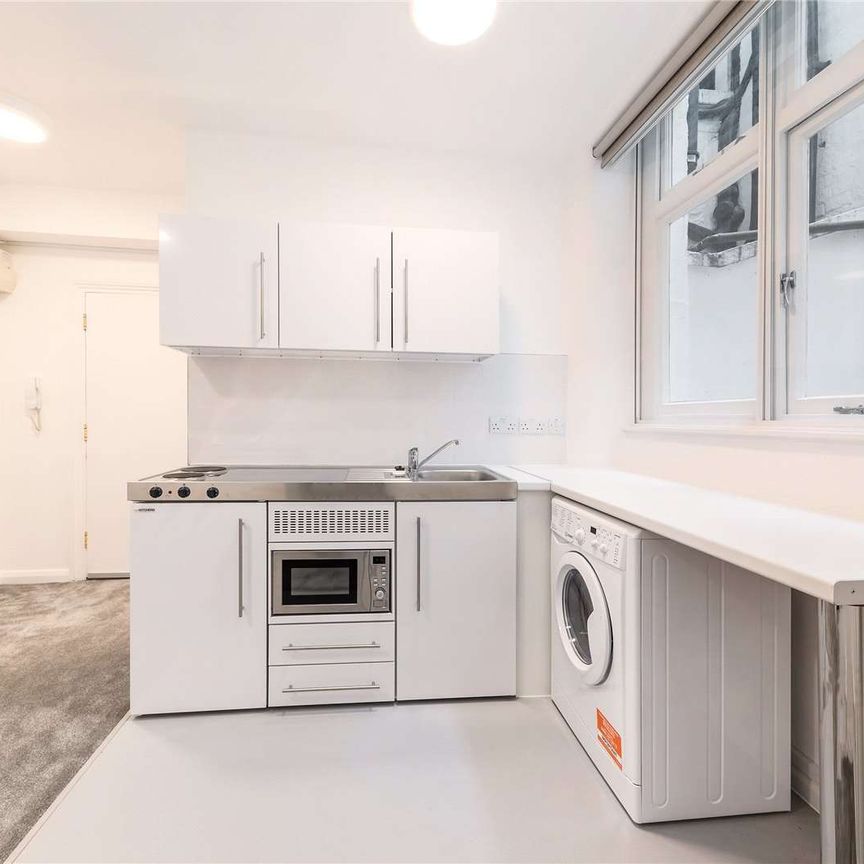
(457, 475)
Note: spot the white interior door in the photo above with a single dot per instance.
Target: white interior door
(445, 291)
(334, 287)
(135, 411)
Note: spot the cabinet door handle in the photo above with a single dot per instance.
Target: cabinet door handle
(292, 689)
(239, 568)
(418, 563)
(405, 303)
(261, 295)
(328, 647)
(377, 300)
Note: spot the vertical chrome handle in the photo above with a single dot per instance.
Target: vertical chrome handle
(261, 295)
(239, 568)
(418, 563)
(405, 303)
(377, 300)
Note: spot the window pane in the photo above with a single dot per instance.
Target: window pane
(835, 255)
(713, 298)
(723, 106)
(832, 28)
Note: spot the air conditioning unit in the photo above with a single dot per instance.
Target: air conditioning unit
(8, 279)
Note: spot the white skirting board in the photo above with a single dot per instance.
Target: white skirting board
(805, 778)
(34, 577)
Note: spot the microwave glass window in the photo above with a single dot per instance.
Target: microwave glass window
(319, 581)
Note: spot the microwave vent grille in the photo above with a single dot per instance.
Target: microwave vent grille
(316, 521)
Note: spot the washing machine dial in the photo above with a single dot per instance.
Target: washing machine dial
(580, 536)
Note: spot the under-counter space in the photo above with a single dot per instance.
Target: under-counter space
(811, 552)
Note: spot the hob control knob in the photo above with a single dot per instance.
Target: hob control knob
(212, 492)
(184, 491)
(379, 594)
(155, 491)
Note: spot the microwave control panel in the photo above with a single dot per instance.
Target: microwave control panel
(380, 568)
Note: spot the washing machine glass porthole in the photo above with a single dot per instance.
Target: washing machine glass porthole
(578, 607)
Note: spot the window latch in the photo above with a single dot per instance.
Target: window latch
(787, 286)
(849, 409)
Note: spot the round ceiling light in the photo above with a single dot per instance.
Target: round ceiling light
(453, 22)
(19, 123)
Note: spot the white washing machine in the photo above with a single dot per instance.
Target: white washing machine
(672, 669)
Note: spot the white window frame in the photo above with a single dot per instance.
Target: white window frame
(774, 146)
(659, 209)
(816, 104)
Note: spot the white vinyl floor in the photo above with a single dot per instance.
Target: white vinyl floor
(484, 780)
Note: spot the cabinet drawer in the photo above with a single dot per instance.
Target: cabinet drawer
(326, 684)
(306, 644)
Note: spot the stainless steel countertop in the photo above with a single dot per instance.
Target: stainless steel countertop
(318, 483)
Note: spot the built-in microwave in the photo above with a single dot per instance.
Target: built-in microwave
(330, 581)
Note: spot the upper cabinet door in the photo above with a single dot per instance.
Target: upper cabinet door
(335, 287)
(445, 291)
(218, 283)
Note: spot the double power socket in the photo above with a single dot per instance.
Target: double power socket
(506, 425)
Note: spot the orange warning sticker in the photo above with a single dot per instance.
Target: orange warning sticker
(609, 738)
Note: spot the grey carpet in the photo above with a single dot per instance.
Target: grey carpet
(64, 684)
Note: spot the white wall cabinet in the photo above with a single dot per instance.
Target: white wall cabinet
(334, 285)
(455, 599)
(198, 616)
(218, 283)
(445, 291)
(314, 287)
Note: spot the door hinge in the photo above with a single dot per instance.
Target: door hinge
(85, 433)
(86, 539)
(84, 321)
(787, 286)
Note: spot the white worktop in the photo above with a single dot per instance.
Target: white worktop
(811, 552)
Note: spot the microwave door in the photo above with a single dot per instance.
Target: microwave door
(319, 582)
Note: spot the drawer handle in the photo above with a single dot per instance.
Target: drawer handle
(292, 647)
(292, 689)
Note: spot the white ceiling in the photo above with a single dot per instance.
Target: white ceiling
(122, 82)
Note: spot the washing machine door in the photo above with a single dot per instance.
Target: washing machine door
(582, 614)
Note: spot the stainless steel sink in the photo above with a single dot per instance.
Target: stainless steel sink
(457, 475)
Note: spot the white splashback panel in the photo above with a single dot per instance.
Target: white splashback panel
(362, 412)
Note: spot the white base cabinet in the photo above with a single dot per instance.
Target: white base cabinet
(198, 607)
(455, 599)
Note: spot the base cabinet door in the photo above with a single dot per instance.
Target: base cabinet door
(198, 607)
(455, 599)
(218, 283)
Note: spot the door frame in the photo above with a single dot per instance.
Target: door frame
(79, 462)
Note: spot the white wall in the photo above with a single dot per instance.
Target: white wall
(66, 214)
(354, 412)
(41, 335)
(300, 410)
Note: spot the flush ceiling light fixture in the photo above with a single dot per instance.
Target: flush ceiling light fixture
(20, 123)
(453, 22)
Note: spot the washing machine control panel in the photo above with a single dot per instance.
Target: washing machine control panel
(591, 536)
